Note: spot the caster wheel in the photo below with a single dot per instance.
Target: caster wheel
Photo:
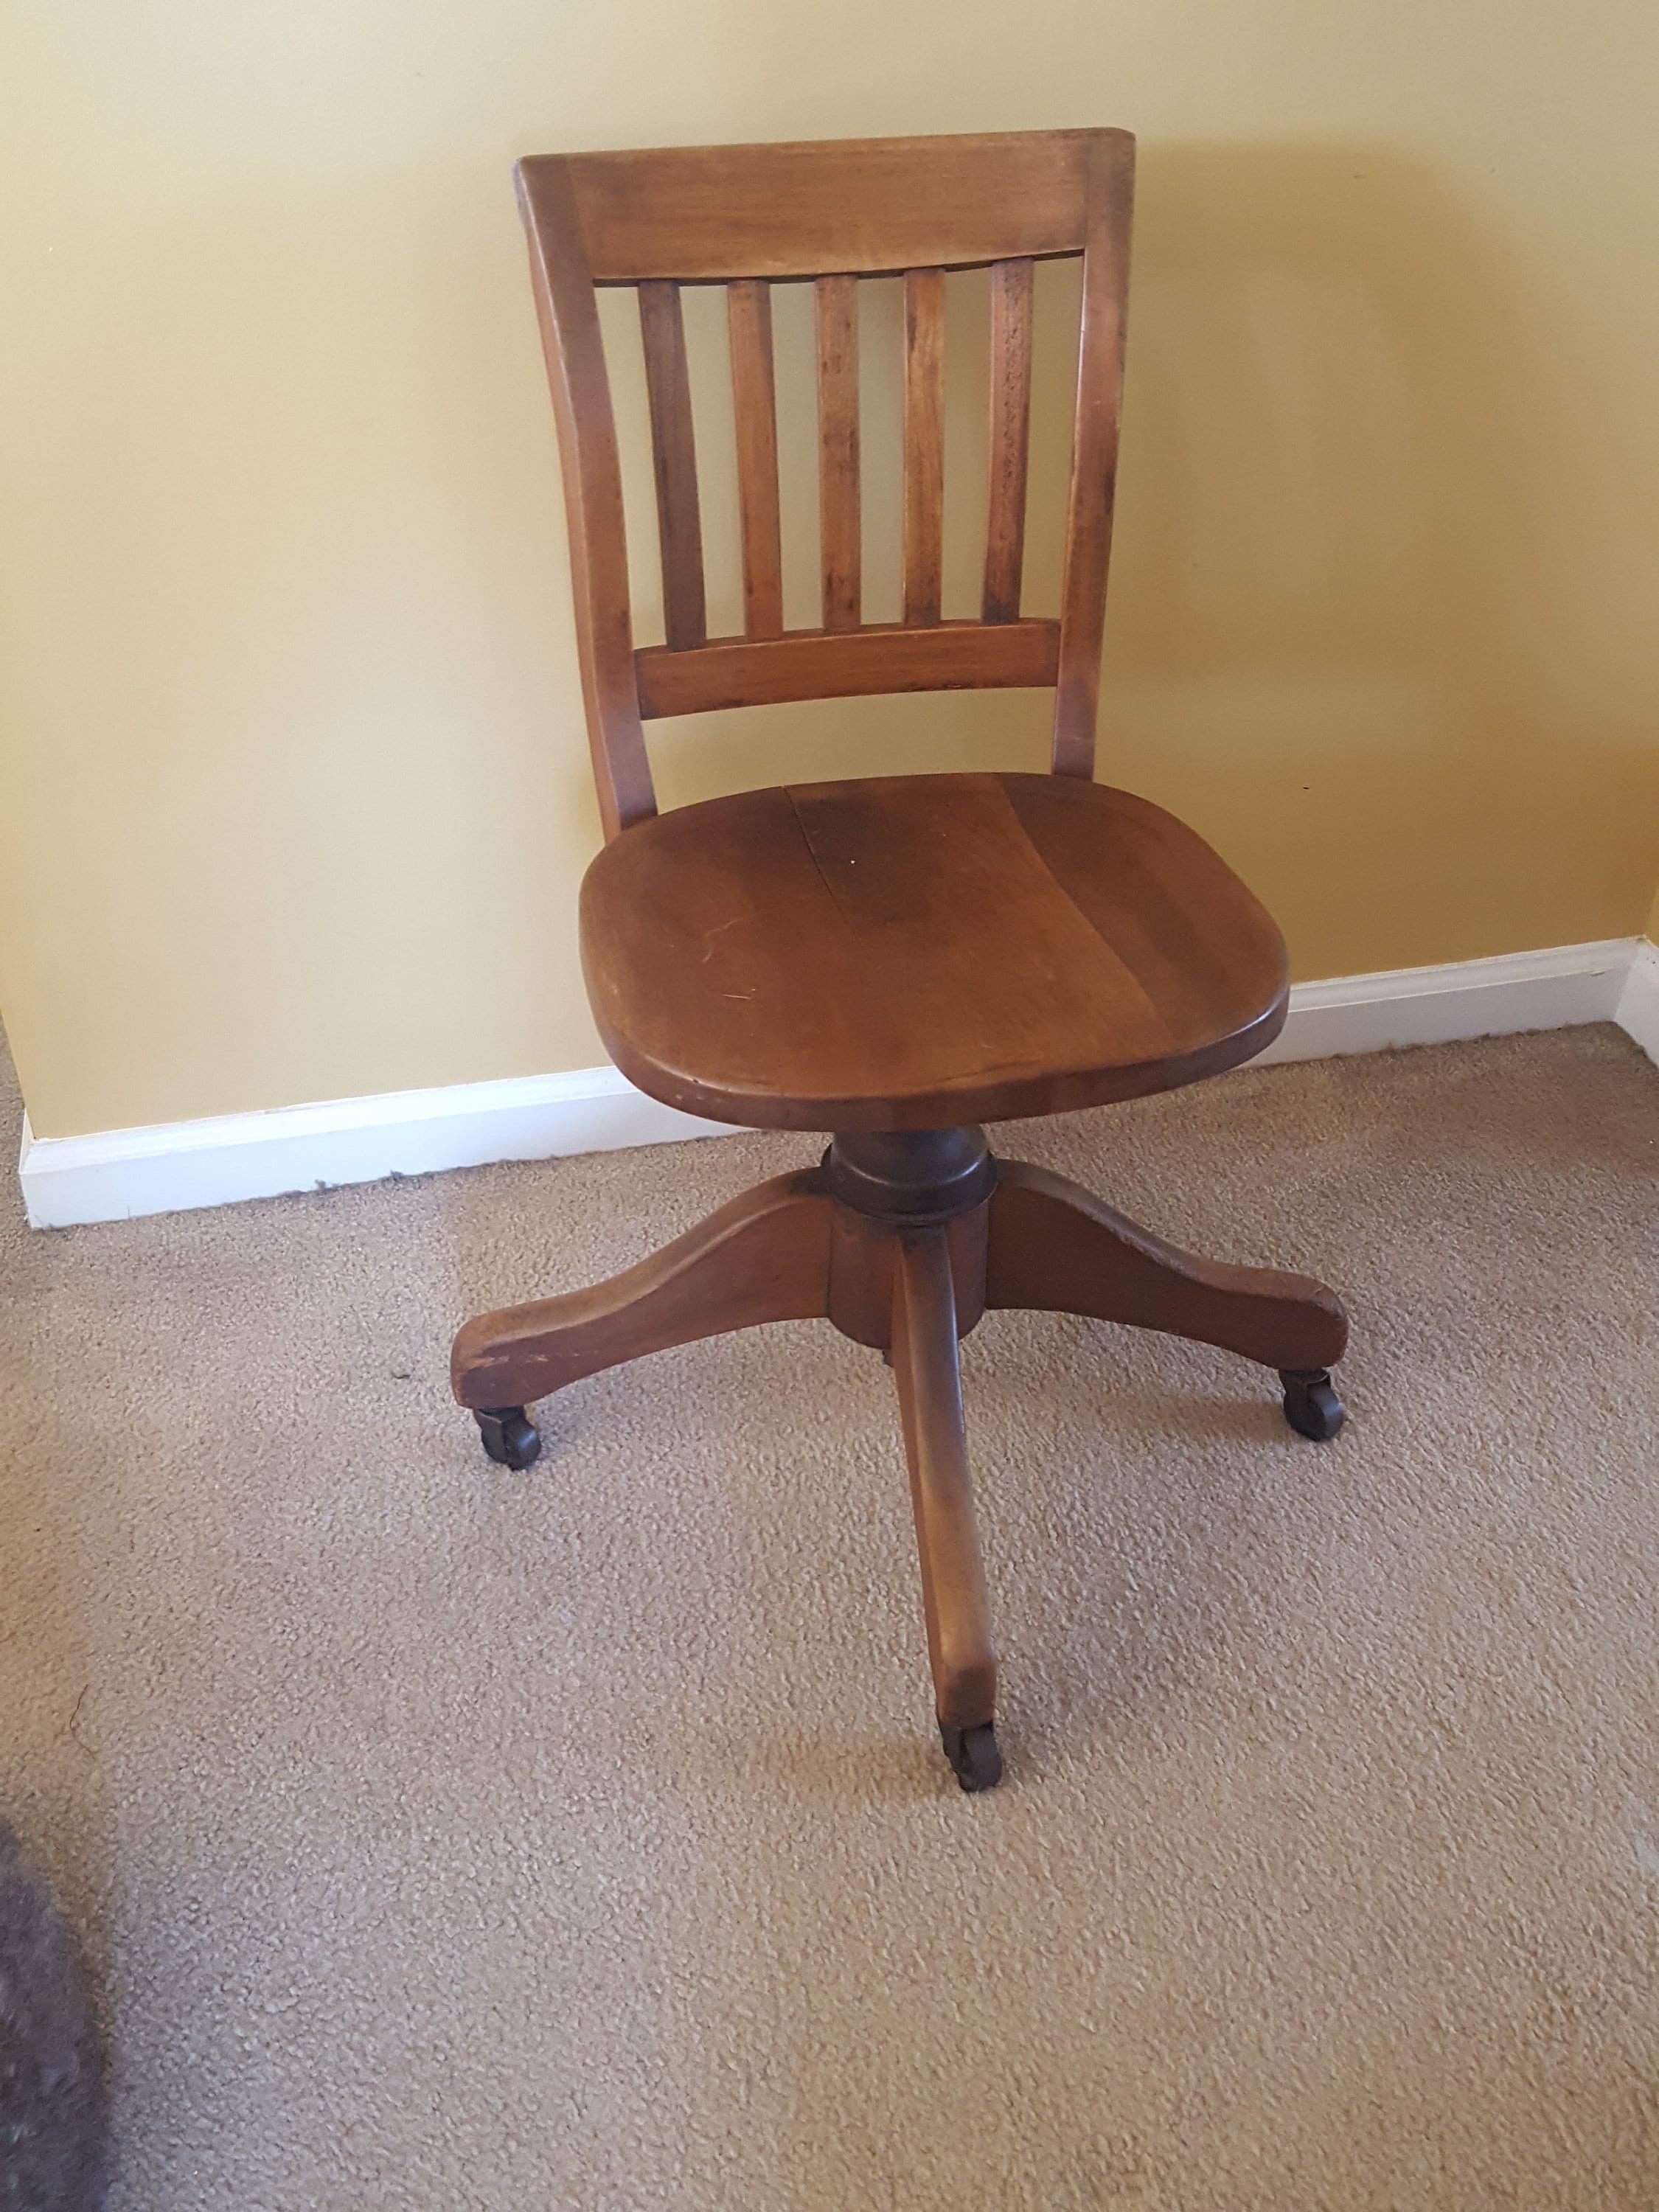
(509, 1438)
(1311, 1405)
(975, 1760)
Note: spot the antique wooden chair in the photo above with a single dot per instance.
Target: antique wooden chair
(892, 961)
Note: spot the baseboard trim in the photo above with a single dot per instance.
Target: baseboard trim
(114, 1175)
(168, 1167)
(1554, 988)
(1637, 1012)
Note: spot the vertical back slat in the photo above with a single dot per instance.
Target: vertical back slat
(837, 308)
(679, 525)
(754, 398)
(924, 444)
(1094, 451)
(1009, 439)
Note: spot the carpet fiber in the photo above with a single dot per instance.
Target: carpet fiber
(446, 1839)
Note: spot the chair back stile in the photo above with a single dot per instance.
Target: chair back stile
(750, 216)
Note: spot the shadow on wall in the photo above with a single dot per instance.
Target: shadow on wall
(1333, 641)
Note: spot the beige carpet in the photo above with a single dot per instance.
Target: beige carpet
(451, 1839)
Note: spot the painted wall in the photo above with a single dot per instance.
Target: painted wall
(294, 794)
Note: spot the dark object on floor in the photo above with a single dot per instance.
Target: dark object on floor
(52, 2127)
(898, 959)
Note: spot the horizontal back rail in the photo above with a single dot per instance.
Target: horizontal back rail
(857, 205)
(805, 664)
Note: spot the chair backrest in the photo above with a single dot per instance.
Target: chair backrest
(750, 216)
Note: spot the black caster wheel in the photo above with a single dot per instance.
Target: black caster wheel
(975, 1760)
(1311, 1405)
(510, 1438)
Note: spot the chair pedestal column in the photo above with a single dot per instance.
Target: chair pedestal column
(911, 1178)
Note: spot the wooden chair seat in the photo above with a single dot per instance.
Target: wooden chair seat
(910, 952)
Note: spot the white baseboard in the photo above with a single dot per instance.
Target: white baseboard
(170, 1165)
(115, 1174)
(1638, 1013)
(1551, 989)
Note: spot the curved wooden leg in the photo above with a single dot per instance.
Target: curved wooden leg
(764, 1257)
(1055, 1248)
(925, 1367)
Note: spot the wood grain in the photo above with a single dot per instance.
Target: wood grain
(913, 952)
(839, 525)
(735, 672)
(673, 447)
(754, 398)
(764, 1257)
(1094, 454)
(863, 1256)
(1010, 438)
(569, 321)
(896, 953)
(708, 213)
(1055, 1248)
(929, 1379)
(828, 212)
(924, 444)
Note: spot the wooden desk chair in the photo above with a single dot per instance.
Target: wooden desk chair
(896, 960)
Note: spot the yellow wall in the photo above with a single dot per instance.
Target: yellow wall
(295, 796)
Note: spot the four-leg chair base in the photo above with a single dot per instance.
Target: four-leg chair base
(903, 1242)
